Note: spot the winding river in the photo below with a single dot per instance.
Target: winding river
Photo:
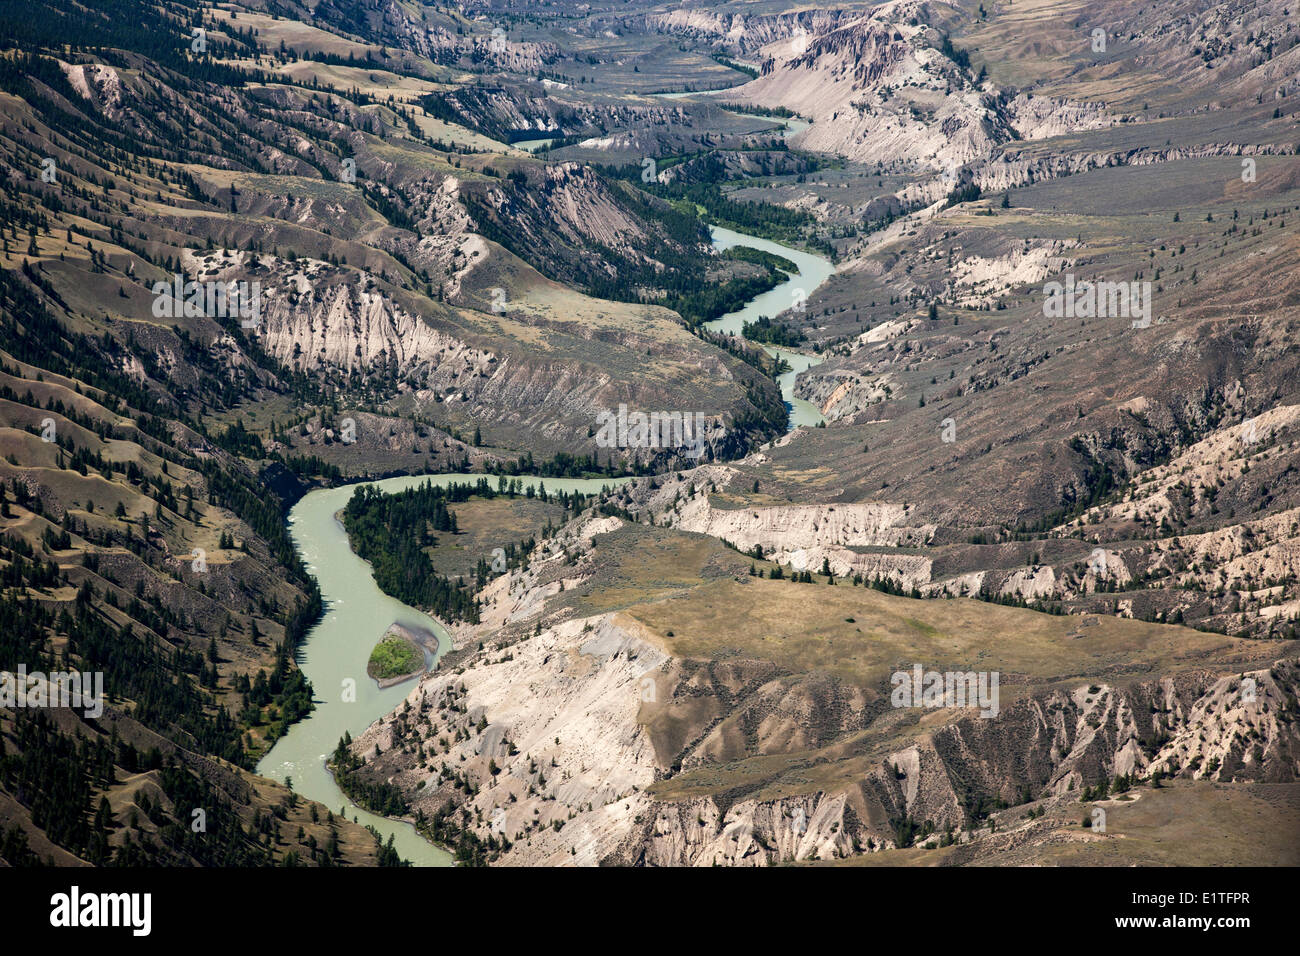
(336, 650)
(357, 613)
(812, 271)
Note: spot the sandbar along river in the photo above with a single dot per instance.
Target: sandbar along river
(356, 615)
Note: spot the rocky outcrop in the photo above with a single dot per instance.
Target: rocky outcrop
(550, 779)
(317, 317)
(809, 537)
(564, 739)
(552, 740)
(748, 833)
(748, 34)
(880, 91)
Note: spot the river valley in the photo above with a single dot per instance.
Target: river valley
(334, 654)
(357, 613)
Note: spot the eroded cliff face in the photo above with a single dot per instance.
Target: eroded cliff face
(747, 34)
(571, 199)
(702, 832)
(801, 526)
(879, 90)
(805, 537)
(1236, 572)
(1048, 747)
(545, 732)
(1014, 166)
(885, 88)
(1123, 558)
(851, 537)
(314, 316)
(344, 323)
(568, 739)
(561, 209)
(440, 38)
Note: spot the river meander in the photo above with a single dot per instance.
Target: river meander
(357, 613)
(336, 650)
(813, 270)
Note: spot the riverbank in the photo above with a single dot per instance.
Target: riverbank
(424, 645)
(335, 651)
(813, 270)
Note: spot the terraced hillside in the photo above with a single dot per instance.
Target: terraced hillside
(689, 705)
(257, 248)
(151, 442)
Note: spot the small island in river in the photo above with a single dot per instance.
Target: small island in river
(400, 655)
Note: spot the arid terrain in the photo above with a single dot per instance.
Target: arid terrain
(1042, 427)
